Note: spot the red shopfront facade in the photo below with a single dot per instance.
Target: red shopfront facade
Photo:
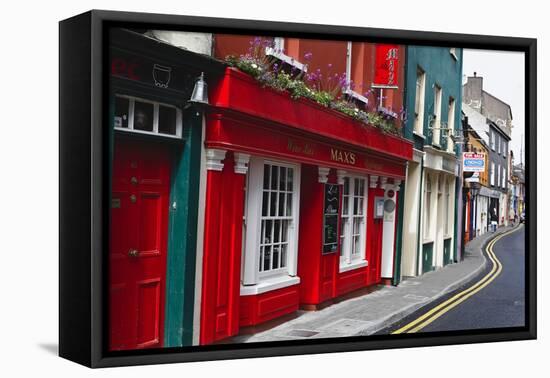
(294, 212)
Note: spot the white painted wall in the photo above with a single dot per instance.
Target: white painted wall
(410, 220)
(197, 42)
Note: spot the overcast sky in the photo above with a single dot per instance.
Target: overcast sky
(503, 77)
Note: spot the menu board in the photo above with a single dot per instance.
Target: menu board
(330, 218)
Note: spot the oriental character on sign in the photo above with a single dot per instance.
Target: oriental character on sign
(391, 57)
(342, 156)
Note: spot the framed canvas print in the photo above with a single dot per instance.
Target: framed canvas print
(234, 188)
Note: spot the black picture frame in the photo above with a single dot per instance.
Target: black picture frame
(84, 189)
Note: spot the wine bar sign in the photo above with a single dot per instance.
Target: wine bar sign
(330, 218)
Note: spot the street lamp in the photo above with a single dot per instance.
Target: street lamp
(200, 91)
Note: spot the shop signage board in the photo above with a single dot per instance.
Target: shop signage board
(473, 162)
(386, 66)
(331, 206)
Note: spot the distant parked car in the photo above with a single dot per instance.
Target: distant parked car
(522, 218)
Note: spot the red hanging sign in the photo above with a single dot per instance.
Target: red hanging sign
(386, 66)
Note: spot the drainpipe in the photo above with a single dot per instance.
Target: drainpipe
(399, 235)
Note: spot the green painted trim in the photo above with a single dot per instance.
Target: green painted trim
(399, 237)
(182, 236)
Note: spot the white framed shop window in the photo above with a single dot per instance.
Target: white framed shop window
(141, 116)
(427, 207)
(448, 210)
(271, 226)
(353, 223)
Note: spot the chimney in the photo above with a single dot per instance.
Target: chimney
(473, 90)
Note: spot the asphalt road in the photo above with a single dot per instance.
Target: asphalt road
(499, 304)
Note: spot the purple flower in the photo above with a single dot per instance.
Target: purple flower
(307, 56)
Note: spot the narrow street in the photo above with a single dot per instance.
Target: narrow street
(500, 301)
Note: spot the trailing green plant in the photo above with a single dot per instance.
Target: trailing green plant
(327, 90)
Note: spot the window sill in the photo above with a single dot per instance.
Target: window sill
(285, 58)
(351, 93)
(419, 135)
(427, 241)
(270, 284)
(354, 265)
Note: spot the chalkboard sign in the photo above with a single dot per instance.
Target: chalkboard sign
(330, 218)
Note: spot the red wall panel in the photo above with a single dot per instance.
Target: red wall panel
(257, 309)
(222, 253)
(310, 237)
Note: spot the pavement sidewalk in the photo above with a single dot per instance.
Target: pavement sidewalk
(370, 313)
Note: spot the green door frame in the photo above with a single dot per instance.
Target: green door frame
(182, 235)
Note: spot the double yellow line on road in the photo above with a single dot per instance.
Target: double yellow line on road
(430, 316)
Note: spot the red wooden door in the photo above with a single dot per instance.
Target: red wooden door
(139, 223)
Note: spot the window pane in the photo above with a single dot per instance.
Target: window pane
(290, 174)
(345, 205)
(167, 120)
(284, 234)
(277, 230)
(289, 204)
(343, 228)
(284, 248)
(273, 206)
(282, 179)
(267, 258)
(267, 169)
(355, 200)
(261, 258)
(355, 245)
(274, 176)
(121, 112)
(281, 204)
(276, 256)
(265, 203)
(346, 186)
(143, 116)
(267, 235)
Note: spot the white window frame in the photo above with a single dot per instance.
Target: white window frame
(277, 52)
(436, 131)
(504, 177)
(131, 107)
(451, 124)
(253, 281)
(349, 261)
(498, 182)
(492, 173)
(493, 140)
(504, 145)
(348, 91)
(419, 101)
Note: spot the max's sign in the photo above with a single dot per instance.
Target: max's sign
(342, 156)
